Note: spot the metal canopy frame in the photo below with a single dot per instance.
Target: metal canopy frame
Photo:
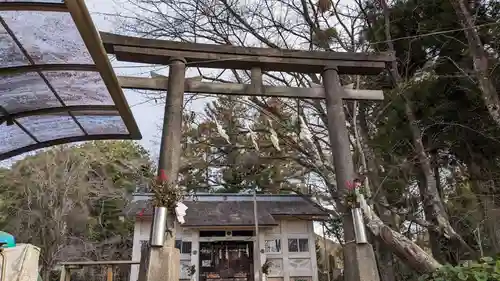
(56, 83)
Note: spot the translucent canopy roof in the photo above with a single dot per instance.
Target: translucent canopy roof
(56, 82)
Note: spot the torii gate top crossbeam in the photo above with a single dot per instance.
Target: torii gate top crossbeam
(155, 51)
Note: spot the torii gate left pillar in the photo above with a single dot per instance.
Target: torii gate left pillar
(161, 260)
(359, 258)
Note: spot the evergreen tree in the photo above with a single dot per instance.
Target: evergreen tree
(236, 164)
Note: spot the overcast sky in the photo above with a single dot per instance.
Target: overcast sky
(148, 115)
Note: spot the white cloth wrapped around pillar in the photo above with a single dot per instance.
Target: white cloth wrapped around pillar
(180, 212)
(21, 263)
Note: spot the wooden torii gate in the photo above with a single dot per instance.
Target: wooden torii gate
(359, 259)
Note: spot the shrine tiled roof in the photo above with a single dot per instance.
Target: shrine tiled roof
(236, 210)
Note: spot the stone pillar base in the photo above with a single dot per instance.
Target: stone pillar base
(159, 264)
(360, 263)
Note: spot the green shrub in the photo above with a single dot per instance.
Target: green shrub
(487, 269)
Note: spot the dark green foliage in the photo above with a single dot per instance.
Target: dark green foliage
(219, 166)
(487, 269)
(457, 131)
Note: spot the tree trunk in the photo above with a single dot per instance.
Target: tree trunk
(437, 176)
(384, 255)
(491, 219)
(480, 60)
(489, 209)
(409, 252)
(430, 194)
(387, 239)
(385, 262)
(491, 216)
(44, 274)
(434, 236)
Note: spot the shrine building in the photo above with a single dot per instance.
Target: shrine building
(217, 242)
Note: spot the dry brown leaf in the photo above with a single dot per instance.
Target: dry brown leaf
(324, 5)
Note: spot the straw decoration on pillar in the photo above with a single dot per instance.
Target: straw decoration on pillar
(166, 194)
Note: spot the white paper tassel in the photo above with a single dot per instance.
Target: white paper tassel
(274, 136)
(180, 212)
(306, 136)
(253, 136)
(304, 133)
(221, 131)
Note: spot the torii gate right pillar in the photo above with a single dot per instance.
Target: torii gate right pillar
(359, 259)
